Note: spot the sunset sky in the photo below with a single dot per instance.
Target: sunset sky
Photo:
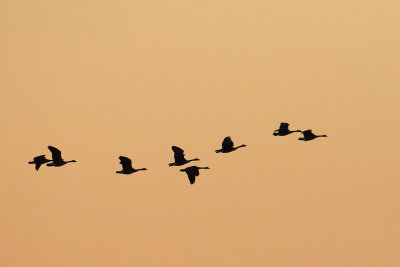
(100, 79)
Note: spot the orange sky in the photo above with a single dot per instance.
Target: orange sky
(99, 79)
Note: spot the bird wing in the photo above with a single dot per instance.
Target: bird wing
(308, 134)
(227, 143)
(192, 177)
(40, 158)
(55, 153)
(284, 126)
(37, 165)
(192, 172)
(126, 163)
(179, 154)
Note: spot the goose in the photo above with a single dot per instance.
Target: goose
(127, 166)
(284, 130)
(308, 136)
(179, 157)
(192, 172)
(227, 146)
(39, 160)
(57, 159)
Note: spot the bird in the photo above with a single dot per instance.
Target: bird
(308, 136)
(58, 161)
(227, 146)
(39, 160)
(179, 157)
(192, 172)
(127, 166)
(284, 130)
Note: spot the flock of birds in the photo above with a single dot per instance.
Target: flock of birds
(179, 156)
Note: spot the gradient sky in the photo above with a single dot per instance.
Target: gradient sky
(99, 79)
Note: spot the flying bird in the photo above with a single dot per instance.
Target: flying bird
(308, 136)
(284, 130)
(192, 172)
(228, 146)
(127, 166)
(39, 160)
(57, 159)
(179, 157)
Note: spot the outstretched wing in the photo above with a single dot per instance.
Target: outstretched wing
(284, 127)
(178, 154)
(227, 143)
(126, 163)
(55, 153)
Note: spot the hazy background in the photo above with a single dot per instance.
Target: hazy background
(99, 79)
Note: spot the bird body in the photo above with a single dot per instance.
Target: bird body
(192, 172)
(308, 136)
(58, 161)
(228, 146)
(127, 166)
(38, 161)
(284, 130)
(179, 157)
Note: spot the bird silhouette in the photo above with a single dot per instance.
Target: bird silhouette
(179, 157)
(57, 159)
(228, 146)
(308, 136)
(192, 172)
(39, 160)
(127, 166)
(284, 130)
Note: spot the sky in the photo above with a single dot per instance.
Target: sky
(100, 79)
